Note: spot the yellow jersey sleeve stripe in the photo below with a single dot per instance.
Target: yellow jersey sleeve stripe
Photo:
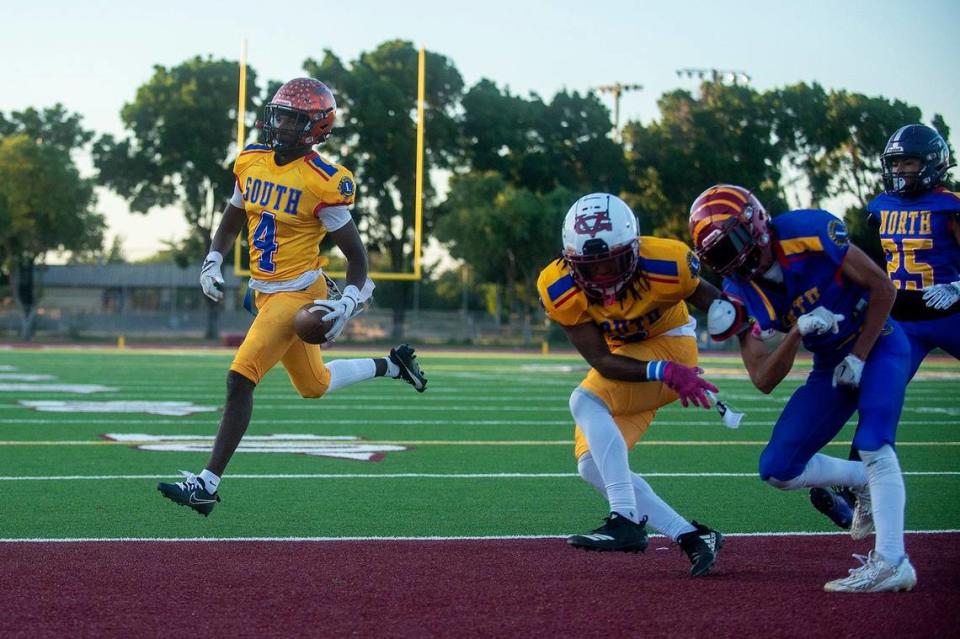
(801, 245)
(766, 302)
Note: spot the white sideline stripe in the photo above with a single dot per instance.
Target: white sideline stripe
(55, 540)
(930, 473)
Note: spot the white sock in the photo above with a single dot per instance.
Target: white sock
(210, 481)
(344, 372)
(660, 515)
(609, 451)
(823, 470)
(888, 499)
(392, 369)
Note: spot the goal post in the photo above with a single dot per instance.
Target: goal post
(415, 276)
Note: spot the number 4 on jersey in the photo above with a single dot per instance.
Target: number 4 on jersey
(265, 239)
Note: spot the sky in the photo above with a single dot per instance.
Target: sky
(92, 56)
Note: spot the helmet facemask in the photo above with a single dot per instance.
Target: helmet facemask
(601, 246)
(732, 248)
(906, 182)
(603, 272)
(288, 128)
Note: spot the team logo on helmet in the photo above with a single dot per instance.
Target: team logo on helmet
(593, 223)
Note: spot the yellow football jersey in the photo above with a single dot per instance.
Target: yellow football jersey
(671, 272)
(282, 205)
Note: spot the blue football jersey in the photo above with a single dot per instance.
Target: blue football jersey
(915, 234)
(810, 246)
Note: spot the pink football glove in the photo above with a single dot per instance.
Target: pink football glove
(683, 380)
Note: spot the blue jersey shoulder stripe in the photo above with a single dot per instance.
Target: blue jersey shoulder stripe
(256, 147)
(660, 267)
(318, 162)
(560, 287)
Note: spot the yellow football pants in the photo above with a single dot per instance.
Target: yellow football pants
(633, 404)
(271, 339)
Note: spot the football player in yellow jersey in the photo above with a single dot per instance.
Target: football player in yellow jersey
(290, 198)
(621, 299)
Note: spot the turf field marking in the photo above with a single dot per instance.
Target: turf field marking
(67, 540)
(932, 473)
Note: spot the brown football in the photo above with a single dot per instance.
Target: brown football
(309, 327)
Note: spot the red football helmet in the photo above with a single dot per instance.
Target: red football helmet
(731, 231)
(300, 114)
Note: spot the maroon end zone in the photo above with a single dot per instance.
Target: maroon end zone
(763, 586)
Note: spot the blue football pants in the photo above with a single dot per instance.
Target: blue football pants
(817, 411)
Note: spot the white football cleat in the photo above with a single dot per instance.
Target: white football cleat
(862, 524)
(876, 575)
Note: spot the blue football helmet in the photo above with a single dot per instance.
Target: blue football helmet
(915, 141)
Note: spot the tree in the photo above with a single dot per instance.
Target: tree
(722, 135)
(44, 203)
(540, 146)
(505, 233)
(181, 130)
(834, 139)
(377, 99)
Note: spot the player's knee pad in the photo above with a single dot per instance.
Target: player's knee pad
(590, 473)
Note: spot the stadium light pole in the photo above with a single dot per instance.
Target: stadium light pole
(616, 90)
(731, 76)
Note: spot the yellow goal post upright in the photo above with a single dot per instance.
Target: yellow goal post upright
(416, 275)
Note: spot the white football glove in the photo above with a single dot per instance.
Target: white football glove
(819, 321)
(340, 310)
(942, 296)
(848, 372)
(211, 279)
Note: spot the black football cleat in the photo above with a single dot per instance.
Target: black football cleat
(702, 546)
(617, 534)
(836, 503)
(404, 356)
(190, 492)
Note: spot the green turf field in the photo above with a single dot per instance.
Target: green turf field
(487, 450)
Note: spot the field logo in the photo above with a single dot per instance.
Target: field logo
(339, 446)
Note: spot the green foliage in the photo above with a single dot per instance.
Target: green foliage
(722, 135)
(44, 203)
(540, 146)
(505, 233)
(376, 124)
(834, 139)
(181, 129)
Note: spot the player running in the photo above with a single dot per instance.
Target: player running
(621, 300)
(919, 224)
(290, 197)
(798, 274)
